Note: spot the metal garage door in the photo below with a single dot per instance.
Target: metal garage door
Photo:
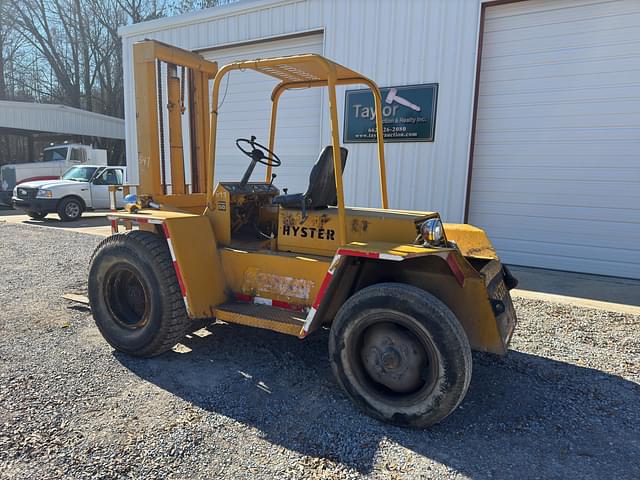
(556, 167)
(246, 109)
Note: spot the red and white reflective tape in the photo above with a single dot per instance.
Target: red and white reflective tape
(322, 291)
(114, 221)
(165, 229)
(382, 256)
(457, 272)
(447, 256)
(183, 290)
(241, 297)
(342, 252)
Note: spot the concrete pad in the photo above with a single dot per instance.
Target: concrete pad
(595, 291)
(95, 223)
(581, 302)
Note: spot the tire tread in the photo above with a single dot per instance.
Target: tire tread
(404, 293)
(175, 321)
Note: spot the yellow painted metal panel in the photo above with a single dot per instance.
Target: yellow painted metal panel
(194, 246)
(195, 201)
(220, 214)
(394, 251)
(239, 318)
(152, 214)
(473, 241)
(317, 234)
(147, 125)
(470, 304)
(150, 50)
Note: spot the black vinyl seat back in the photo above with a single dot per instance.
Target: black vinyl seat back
(321, 191)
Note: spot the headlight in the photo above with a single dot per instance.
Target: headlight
(44, 193)
(432, 231)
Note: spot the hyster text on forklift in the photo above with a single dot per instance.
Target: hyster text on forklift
(406, 297)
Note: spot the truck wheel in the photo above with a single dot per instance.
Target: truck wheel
(69, 209)
(134, 294)
(400, 354)
(37, 215)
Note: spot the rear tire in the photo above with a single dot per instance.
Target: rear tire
(135, 296)
(37, 215)
(400, 354)
(70, 209)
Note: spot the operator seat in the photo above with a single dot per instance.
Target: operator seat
(321, 191)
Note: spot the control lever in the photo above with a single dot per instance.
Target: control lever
(273, 177)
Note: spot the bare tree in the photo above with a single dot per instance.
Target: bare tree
(4, 31)
(46, 28)
(182, 6)
(69, 51)
(9, 46)
(142, 10)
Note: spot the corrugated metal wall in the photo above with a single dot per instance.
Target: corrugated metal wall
(393, 42)
(556, 170)
(42, 117)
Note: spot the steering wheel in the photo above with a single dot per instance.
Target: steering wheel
(258, 151)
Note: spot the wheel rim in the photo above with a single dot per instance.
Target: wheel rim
(392, 358)
(127, 298)
(72, 209)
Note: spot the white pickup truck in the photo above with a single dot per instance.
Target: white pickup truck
(55, 160)
(81, 188)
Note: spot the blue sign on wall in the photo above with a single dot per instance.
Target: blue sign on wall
(408, 114)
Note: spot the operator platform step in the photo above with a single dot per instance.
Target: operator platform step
(262, 316)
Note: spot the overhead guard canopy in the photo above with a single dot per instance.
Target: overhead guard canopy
(304, 71)
(305, 68)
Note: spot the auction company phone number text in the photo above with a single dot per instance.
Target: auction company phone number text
(389, 132)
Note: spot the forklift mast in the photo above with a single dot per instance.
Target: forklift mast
(172, 91)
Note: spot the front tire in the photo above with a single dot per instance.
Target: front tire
(135, 296)
(37, 215)
(70, 209)
(400, 354)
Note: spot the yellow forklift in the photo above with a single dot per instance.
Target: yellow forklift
(404, 296)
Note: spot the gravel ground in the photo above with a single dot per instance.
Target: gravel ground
(233, 402)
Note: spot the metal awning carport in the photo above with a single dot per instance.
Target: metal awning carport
(25, 118)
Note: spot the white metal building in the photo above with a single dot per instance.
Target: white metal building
(53, 118)
(537, 135)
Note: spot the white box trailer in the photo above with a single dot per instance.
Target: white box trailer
(55, 160)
